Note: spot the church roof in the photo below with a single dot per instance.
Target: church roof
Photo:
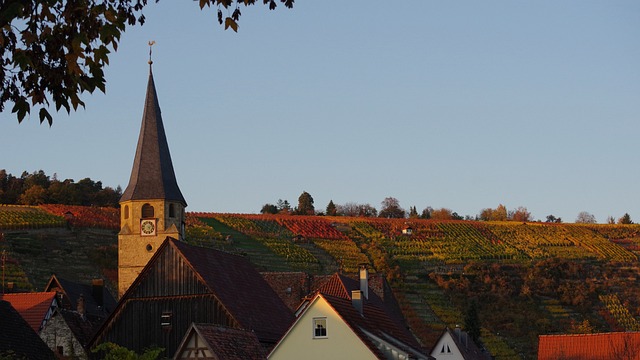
(152, 176)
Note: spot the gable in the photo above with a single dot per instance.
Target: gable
(340, 340)
(167, 274)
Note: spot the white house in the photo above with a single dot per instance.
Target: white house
(457, 345)
(354, 325)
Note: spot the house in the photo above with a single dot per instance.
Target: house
(82, 308)
(615, 345)
(205, 341)
(184, 284)
(35, 308)
(18, 338)
(97, 299)
(457, 345)
(340, 321)
(407, 230)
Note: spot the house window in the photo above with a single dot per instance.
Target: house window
(172, 210)
(445, 349)
(319, 328)
(126, 211)
(165, 320)
(147, 211)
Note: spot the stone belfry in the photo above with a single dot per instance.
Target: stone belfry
(152, 207)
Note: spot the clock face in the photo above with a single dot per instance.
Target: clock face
(147, 227)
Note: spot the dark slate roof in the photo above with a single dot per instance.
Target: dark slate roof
(17, 337)
(72, 291)
(152, 176)
(231, 344)
(82, 327)
(241, 288)
(468, 348)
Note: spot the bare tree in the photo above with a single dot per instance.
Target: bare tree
(585, 218)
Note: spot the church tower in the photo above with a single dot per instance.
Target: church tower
(152, 207)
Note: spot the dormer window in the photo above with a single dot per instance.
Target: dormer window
(319, 328)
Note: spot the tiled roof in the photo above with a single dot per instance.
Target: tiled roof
(73, 290)
(374, 321)
(33, 307)
(82, 327)
(617, 345)
(341, 286)
(152, 175)
(231, 344)
(17, 336)
(239, 286)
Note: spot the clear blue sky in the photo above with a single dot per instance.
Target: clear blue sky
(456, 104)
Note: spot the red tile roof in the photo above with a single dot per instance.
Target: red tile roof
(33, 307)
(17, 337)
(618, 345)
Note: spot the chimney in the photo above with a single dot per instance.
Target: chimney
(80, 308)
(97, 291)
(364, 280)
(357, 301)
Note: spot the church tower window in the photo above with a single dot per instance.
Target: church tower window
(147, 211)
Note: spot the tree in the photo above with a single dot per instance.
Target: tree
(472, 321)
(111, 351)
(331, 209)
(625, 219)
(497, 214)
(391, 209)
(305, 204)
(585, 218)
(54, 51)
(34, 195)
(426, 213)
(269, 209)
(442, 214)
(283, 206)
(413, 212)
(520, 214)
(553, 219)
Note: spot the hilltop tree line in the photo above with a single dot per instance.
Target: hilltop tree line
(390, 208)
(38, 188)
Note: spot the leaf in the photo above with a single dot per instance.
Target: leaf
(272, 5)
(229, 22)
(203, 3)
(44, 114)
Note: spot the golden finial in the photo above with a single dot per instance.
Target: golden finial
(151, 43)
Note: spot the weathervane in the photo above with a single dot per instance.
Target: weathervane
(151, 43)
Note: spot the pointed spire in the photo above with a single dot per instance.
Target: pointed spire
(152, 176)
